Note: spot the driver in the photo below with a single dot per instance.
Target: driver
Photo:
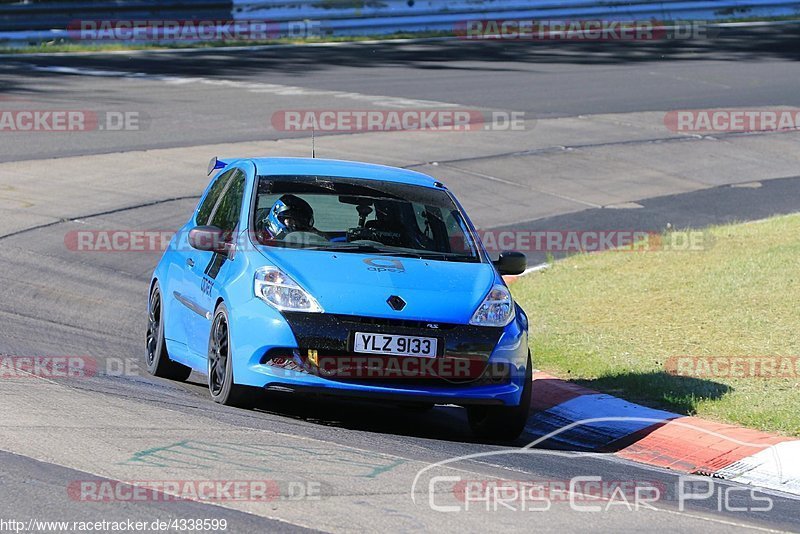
(290, 213)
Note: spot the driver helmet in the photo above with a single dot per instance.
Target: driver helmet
(290, 213)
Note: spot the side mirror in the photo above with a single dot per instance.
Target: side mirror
(209, 238)
(511, 263)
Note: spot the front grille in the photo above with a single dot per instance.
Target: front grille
(428, 326)
(329, 332)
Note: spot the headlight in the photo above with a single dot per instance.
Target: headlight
(497, 309)
(277, 289)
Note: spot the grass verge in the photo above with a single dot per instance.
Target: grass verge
(613, 320)
(63, 46)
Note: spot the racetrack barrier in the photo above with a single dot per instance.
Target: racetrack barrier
(41, 20)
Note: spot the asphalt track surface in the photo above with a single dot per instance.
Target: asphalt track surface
(732, 68)
(56, 302)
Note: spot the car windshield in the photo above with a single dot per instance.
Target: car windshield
(358, 215)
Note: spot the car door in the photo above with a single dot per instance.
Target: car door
(211, 270)
(181, 269)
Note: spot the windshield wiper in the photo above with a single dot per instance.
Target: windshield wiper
(390, 251)
(372, 249)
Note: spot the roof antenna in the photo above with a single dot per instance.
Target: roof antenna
(313, 146)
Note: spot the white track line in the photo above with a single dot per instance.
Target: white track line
(252, 87)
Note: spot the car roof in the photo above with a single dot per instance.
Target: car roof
(340, 168)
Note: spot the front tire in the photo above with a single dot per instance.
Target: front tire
(503, 423)
(156, 356)
(220, 365)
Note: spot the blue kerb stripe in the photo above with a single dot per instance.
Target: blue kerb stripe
(596, 435)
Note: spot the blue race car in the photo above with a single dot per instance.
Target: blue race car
(332, 277)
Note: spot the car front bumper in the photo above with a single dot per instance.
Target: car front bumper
(285, 352)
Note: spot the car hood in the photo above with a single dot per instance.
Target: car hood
(360, 284)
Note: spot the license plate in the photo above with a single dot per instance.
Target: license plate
(395, 345)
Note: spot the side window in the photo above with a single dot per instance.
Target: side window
(204, 212)
(458, 236)
(433, 227)
(228, 210)
(420, 213)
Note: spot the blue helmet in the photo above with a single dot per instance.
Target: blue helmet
(290, 213)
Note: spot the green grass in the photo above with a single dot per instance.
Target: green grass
(611, 320)
(62, 46)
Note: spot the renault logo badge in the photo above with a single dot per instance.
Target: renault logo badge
(396, 303)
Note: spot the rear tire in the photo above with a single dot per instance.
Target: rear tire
(156, 356)
(220, 365)
(503, 423)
